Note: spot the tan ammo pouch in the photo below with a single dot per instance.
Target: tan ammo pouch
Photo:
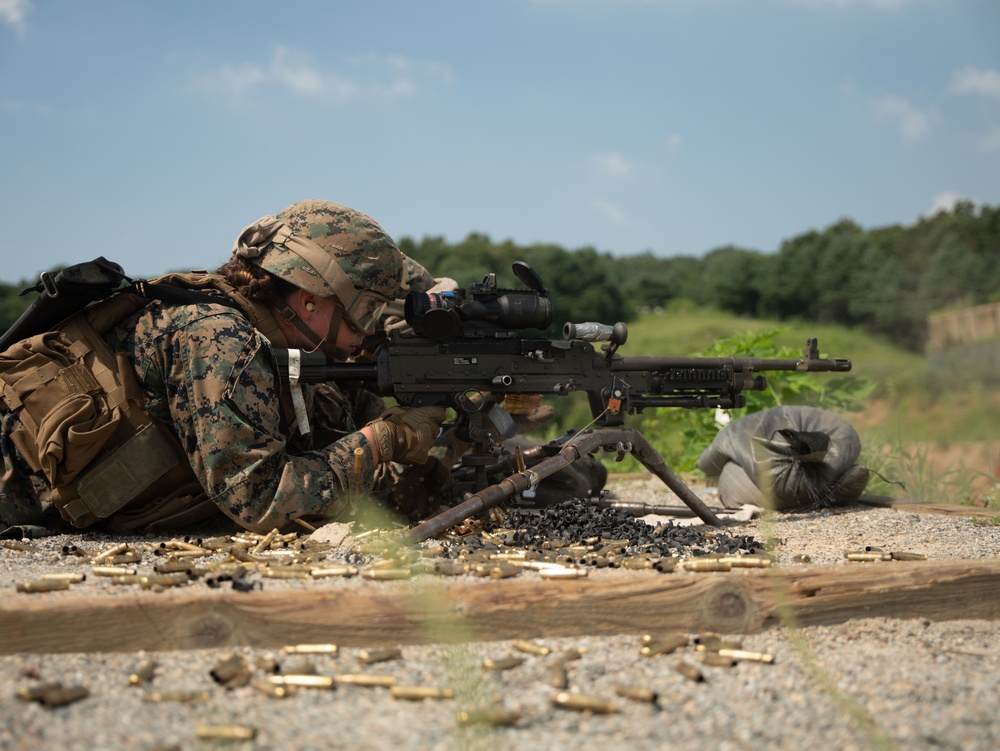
(83, 421)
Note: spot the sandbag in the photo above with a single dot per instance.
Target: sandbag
(785, 458)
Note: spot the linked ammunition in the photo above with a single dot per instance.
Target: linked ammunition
(493, 716)
(311, 649)
(689, 671)
(302, 681)
(502, 663)
(662, 645)
(372, 656)
(636, 693)
(584, 703)
(225, 733)
(419, 693)
(329, 571)
(142, 674)
(42, 585)
(529, 647)
(899, 555)
(365, 679)
(743, 654)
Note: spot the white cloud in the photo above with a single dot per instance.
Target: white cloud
(13, 13)
(913, 124)
(971, 80)
(944, 202)
(300, 73)
(610, 212)
(611, 164)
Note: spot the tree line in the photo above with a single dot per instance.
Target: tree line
(884, 280)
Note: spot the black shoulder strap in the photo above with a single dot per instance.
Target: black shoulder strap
(69, 291)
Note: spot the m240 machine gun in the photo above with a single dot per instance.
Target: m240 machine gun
(469, 349)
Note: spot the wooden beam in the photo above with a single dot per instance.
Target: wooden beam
(432, 610)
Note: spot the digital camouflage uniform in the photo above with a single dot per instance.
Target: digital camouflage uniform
(210, 376)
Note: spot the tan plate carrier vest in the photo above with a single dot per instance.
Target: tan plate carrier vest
(83, 421)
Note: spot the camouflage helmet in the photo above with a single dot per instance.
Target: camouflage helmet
(327, 249)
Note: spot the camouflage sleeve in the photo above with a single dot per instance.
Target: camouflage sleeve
(223, 400)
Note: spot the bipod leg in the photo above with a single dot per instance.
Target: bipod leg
(651, 460)
(492, 496)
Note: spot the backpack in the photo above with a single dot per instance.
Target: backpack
(83, 424)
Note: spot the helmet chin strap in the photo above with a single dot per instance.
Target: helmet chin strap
(328, 343)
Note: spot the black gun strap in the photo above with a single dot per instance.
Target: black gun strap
(181, 295)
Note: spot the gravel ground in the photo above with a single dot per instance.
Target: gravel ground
(868, 683)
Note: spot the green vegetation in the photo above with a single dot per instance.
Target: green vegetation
(931, 437)
(884, 281)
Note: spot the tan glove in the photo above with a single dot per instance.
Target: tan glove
(406, 434)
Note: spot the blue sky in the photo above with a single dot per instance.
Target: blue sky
(152, 132)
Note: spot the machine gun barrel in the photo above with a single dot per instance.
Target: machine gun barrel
(418, 371)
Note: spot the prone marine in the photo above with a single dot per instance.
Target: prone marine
(144, 414)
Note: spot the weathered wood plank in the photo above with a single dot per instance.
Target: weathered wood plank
(436, 611)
